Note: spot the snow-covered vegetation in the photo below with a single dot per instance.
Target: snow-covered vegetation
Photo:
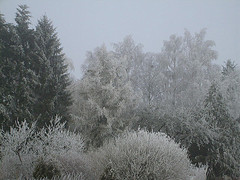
(143, 155)
(22, 147)
(54, 152)
(132, 115)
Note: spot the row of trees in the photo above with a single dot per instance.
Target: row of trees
(178, 91)
(33, 73)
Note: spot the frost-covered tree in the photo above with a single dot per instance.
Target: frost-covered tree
(53, 96)
(176, 81)
(178, 77)
(230, 87)
(188, 70)
(210, 134)
(149, 80)
(172, 50)
(215, 107)
(106, 99)
(219, 152)
(133, 53)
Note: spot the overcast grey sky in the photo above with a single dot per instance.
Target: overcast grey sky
(83, 25)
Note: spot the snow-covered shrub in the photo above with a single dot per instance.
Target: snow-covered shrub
(20, 140)
(75, 163)
(23, 146)
(142, 155)
(19, 149)
(57, 140)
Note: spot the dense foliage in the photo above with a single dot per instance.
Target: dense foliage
(179, 92)
(34, 77)
(53, 97)
(105, 100)
(25, 149)
(54, 152)
(143, 155)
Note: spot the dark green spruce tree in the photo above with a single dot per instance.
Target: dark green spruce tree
(220, 153)
(17, 76)
(26, 79)
(53, 97)
(7, 67)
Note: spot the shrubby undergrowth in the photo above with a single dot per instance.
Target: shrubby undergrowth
(56, 153)
(143, 155)
(23, 146)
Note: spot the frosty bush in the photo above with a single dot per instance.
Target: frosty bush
(75, 164)
(142, 155)
(57, 140)
(20, 140)
(19, 149)
(23, 145)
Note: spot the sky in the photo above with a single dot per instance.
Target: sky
(83, 25)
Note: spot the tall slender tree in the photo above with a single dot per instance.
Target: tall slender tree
(53, 97)
(17, 75)
(26, 78)
(6, 70)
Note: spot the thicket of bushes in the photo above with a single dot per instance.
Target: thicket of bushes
(25, 149)
(142, 155)
(54, 152)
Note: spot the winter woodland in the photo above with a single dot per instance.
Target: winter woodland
(137, 115)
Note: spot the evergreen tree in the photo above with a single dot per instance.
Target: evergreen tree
(25, 79)
(220, 151)
(230, 87)
(53, 97)
(6, 67)
(215, 108)
(16, 73)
